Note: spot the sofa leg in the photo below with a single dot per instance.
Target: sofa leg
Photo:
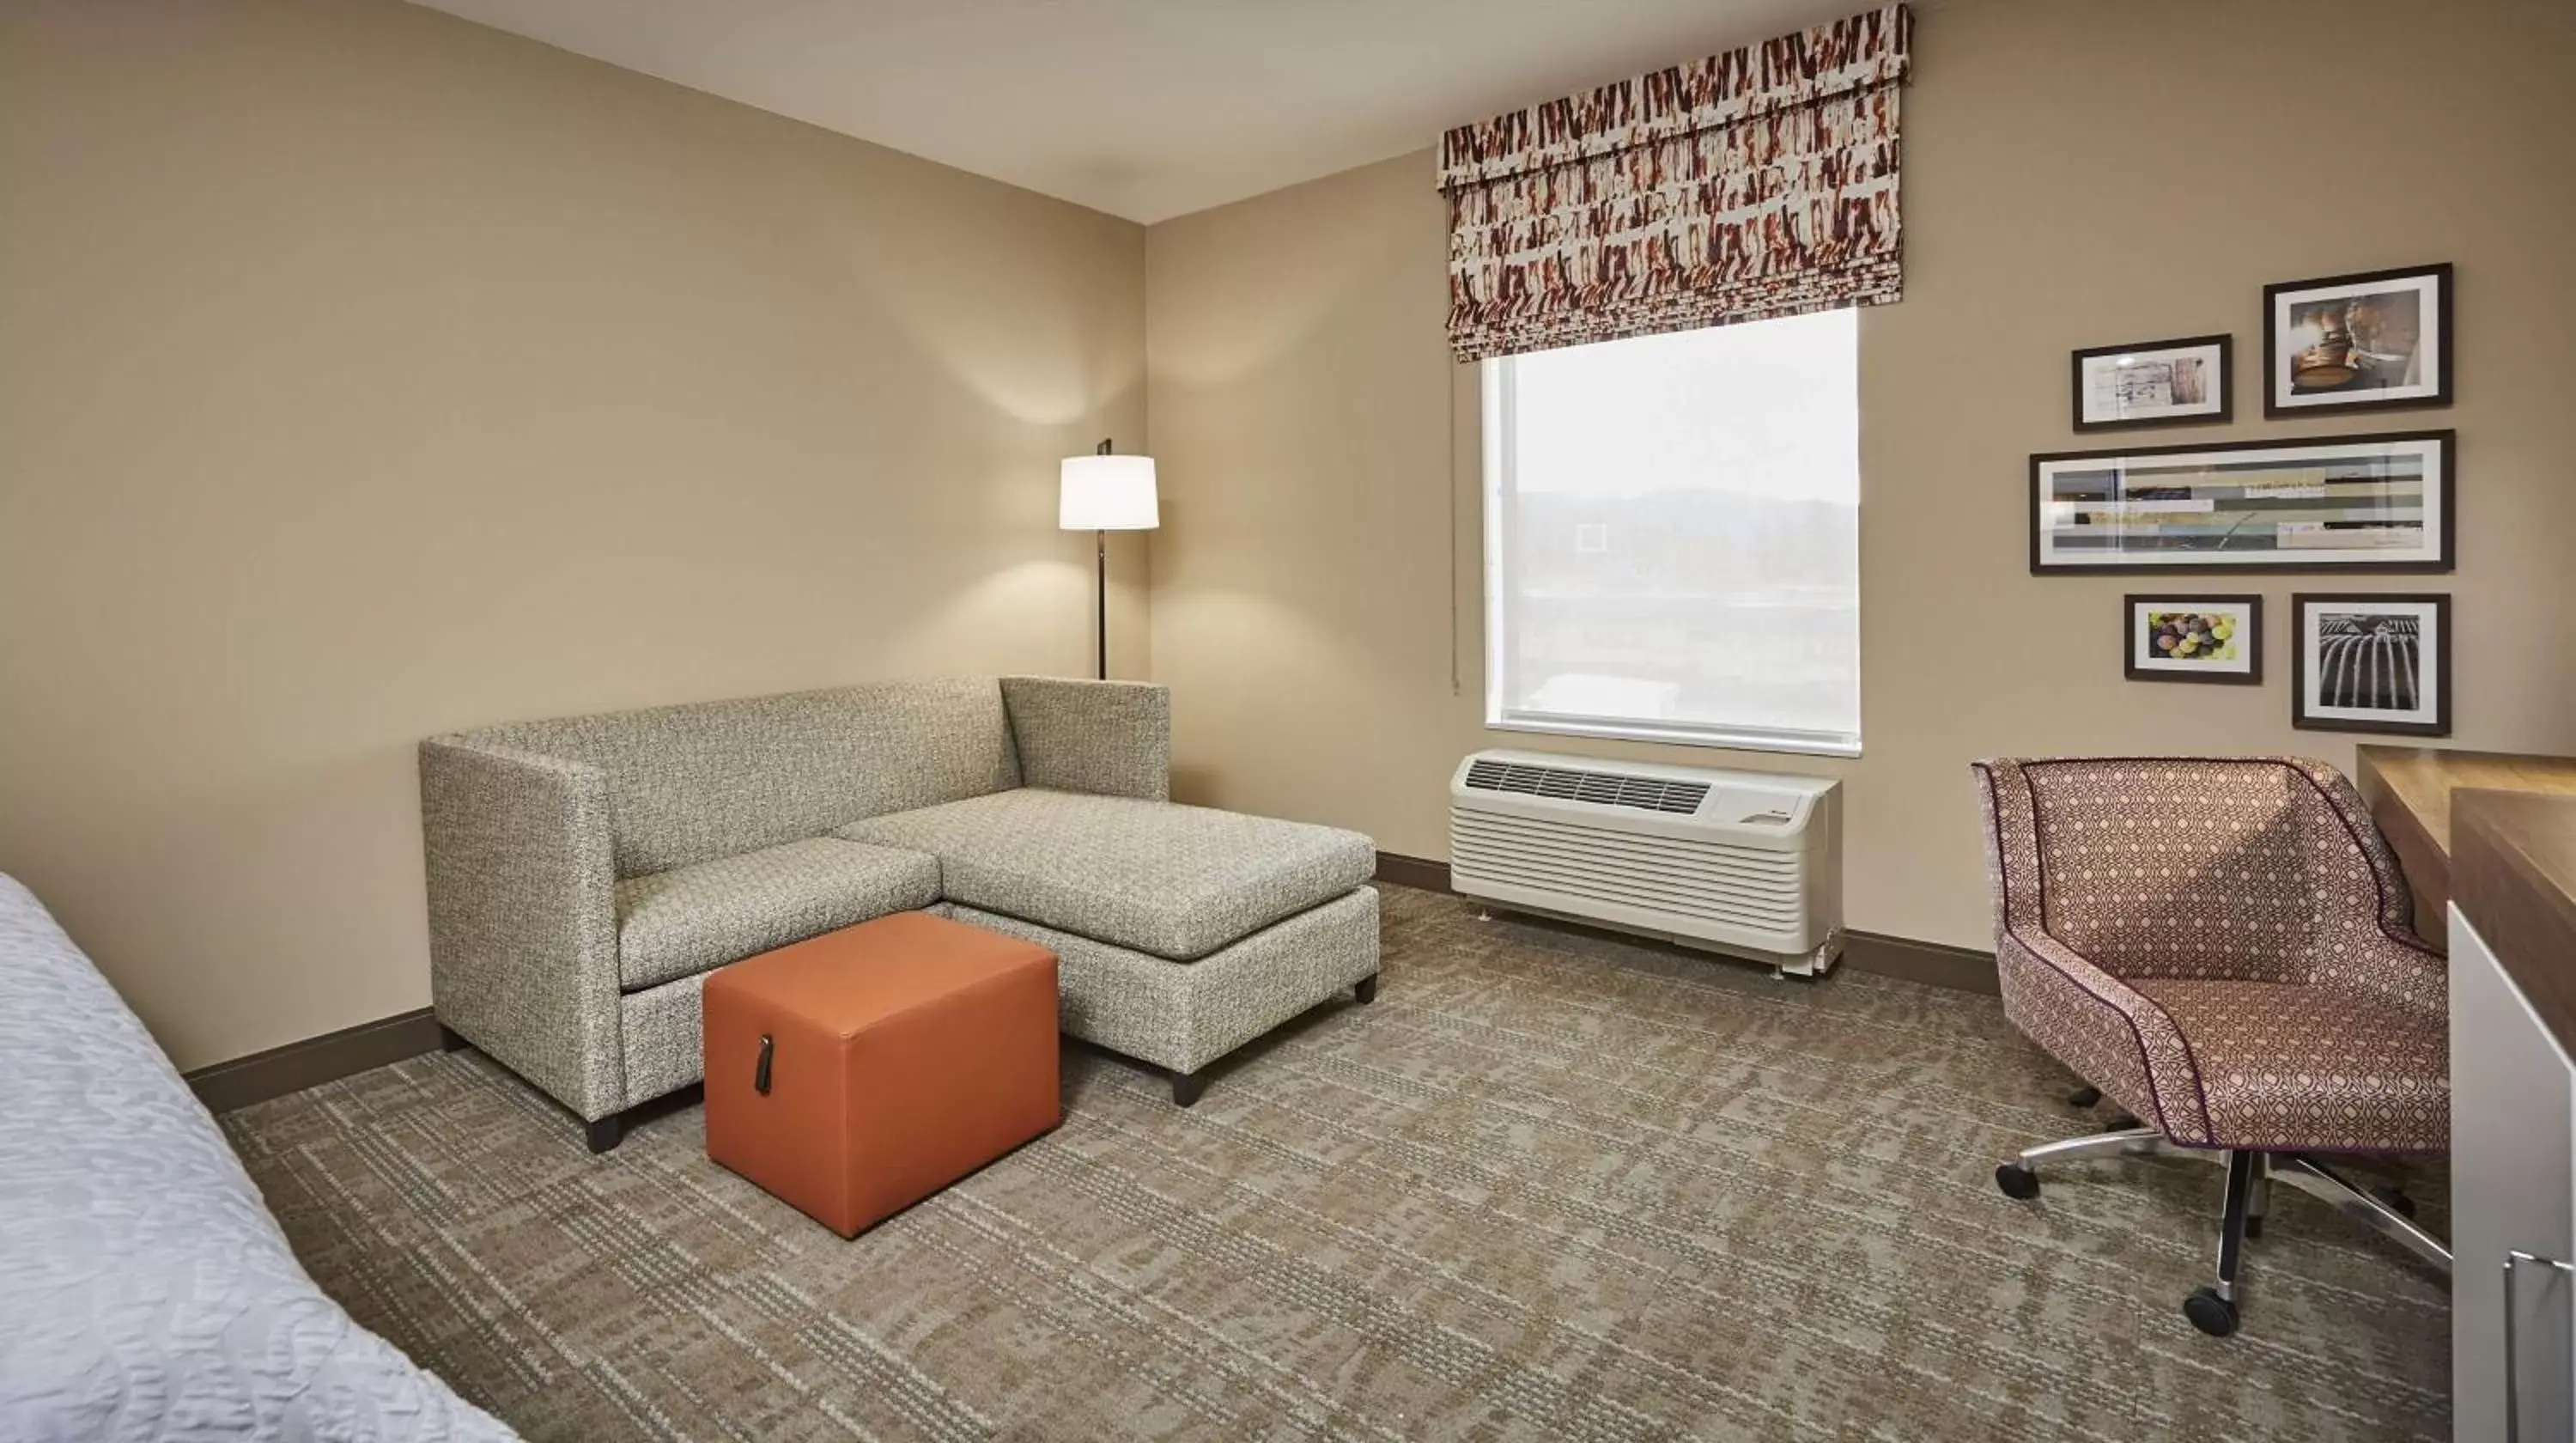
(607, 1132)
(1366, 989)
(450, 1040)
(1187, 1086)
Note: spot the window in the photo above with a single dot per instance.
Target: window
(1672, 537)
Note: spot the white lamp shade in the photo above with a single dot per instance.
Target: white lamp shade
(1108, 493)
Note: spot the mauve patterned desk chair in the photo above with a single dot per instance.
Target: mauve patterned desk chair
(2225, 948)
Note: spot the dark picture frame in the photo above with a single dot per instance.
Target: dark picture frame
(2438, 556)
(2221, 386)
(2430, 348)
(2375, 662)
(2139, 663)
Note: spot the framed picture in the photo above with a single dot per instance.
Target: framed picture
(2332, 503)
(2155, 383)
(2382, 339)
(2195, 638)
(2372, 664)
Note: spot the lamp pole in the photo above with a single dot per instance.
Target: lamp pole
(1100, 567)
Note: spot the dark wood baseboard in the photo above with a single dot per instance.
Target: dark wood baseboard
(314, 1061)
(1961, 968)
(1406, 871)
(1936, 964)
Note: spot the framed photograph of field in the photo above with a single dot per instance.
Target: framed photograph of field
(2195, 638)
(2372, 664)
(2328, 503)
(2155, 383)
(2341, 343)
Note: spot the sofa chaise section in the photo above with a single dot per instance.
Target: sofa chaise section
(1181, 932)
(1182, 1016)
(1172, 881)
(586, 873)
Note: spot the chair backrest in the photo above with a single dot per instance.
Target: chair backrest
(2227, 867)
(714, 779)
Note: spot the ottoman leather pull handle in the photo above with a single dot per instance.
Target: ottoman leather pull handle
(760, 1077)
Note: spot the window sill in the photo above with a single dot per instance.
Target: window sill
(1679, 736)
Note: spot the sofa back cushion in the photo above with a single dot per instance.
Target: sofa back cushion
(716, 779)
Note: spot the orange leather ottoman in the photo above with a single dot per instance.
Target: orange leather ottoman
(856, 1073)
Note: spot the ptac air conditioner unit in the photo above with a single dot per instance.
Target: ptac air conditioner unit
(1739, 862)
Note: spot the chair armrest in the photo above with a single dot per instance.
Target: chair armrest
(1111, 738)
(2105, 1030)
(523, 917)
(2395, 966)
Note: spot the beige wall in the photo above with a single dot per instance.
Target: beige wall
(364, 373)
(2076, 174)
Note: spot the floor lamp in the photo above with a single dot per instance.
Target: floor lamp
(1101, 493)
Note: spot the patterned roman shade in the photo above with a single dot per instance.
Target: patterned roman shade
(1753, 184)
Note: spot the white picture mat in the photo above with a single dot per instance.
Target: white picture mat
(2429, 342)
(2143, 654)
(2429, 642)
(2102, 381)
(2429, 449)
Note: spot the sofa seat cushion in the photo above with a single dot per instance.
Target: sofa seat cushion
(1177, 882)
(684, 921)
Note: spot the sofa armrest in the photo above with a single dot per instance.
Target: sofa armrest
(523, 917)
(1110, 738)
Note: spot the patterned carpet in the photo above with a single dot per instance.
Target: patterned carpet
(1550, 1186)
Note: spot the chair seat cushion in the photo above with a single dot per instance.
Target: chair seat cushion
(2316, 1067)
(684, 921)
(1174, 881)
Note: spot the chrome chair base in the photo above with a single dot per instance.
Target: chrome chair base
(2250, 1176)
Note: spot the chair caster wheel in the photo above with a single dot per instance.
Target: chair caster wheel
(2253, 1227)
(2210, 1313)
(2017, 1181)
(2084, 1097)
(2396, 1200)
(2122, 1123)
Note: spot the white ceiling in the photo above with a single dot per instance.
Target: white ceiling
(1145, 108)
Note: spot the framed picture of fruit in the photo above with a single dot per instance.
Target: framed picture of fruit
(2379, 340)
(2195, 638)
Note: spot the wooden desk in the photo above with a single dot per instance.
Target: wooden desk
(2517, 886)
(2409, 792)
(2512, 982)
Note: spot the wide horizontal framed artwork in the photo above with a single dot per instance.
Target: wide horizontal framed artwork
(2376, 340)
(2155, 383)
(2371, 663)
(2194, 638)
(2325, 503)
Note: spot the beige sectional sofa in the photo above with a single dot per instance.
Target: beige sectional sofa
(586, 873)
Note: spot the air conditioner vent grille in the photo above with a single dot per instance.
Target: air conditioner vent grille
(1608, 789)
